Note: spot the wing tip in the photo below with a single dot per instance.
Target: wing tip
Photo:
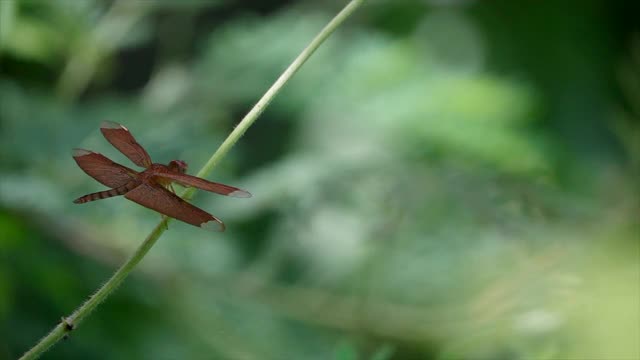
(213, 225)
(77, 152)
(112, 125)
(240, 194)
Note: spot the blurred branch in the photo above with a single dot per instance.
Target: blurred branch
(80, 239)
(107, 35)
(370, 313)
(7, 16)
(624, 125)
(70, 323)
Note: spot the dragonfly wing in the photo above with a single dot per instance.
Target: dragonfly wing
(120, 137)
(102, 169)
(193, 181)
(165, 202)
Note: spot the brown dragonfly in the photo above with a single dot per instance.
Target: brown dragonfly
(151, 188)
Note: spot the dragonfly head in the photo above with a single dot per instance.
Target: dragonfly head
(179, 166)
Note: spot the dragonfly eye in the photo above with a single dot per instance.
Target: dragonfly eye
(182, 166)
(179, 165)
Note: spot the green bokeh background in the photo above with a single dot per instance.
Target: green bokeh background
(442, 180)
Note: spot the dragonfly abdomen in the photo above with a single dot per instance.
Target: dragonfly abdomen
(106, 193)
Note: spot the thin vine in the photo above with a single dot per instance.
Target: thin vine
(68, 324)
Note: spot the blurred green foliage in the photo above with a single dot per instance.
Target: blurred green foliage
(442, 180)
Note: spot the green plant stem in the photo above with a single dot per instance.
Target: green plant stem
(70, 323)
(266, 99)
